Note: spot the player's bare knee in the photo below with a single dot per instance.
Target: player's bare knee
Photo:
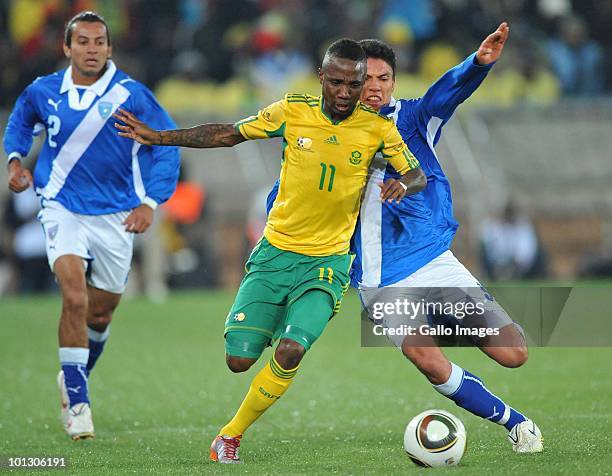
(514, 357)
(239, 364)
(289, 353)
(99, 321)
(100, 317)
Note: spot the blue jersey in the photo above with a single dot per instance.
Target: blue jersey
(83, 163)
(392, 241)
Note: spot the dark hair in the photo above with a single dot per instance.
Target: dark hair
(345, 48)
(89, 17)
(379, 50)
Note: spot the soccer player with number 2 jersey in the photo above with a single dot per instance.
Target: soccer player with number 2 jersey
(96, 192)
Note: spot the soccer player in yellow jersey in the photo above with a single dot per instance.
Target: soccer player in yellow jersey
(298, 272)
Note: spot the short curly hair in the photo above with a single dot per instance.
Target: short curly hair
(345, 48)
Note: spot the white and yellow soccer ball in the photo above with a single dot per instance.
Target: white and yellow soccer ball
(435, 438)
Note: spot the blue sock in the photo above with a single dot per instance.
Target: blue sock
(74, 362)
(470, 393)
(96, 346)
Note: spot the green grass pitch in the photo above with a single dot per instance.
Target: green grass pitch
(162, 390)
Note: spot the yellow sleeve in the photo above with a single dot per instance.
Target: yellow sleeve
(269, 122)
(396, 152)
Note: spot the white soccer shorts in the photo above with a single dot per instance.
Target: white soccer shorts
(101, 240)
(444, 279)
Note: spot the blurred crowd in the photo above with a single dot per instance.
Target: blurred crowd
(222, 58)
(226, 57)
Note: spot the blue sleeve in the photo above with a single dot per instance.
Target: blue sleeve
(271, 197)
(20, 126)
(160, 181)
(454, 87)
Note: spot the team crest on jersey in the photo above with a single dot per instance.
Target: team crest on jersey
(105, 108)
(239, 316)
(304, 143)
(355, 157)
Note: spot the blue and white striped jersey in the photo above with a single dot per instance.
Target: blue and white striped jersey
(392, 241)
(83, 163)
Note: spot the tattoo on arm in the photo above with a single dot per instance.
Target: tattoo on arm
(203, 136)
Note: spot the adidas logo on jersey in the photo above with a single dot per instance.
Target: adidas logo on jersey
(332, 140)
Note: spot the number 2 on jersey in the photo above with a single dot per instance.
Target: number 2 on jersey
(332, 173)
(54, 123)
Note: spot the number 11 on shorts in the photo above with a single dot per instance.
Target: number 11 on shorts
(330, 274)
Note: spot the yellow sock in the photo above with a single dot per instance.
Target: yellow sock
(266, 388)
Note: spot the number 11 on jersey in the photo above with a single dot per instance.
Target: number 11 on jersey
(330, 274)
(332, 173)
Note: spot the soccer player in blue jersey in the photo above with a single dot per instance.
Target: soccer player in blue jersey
(97, 190)
(403, 250)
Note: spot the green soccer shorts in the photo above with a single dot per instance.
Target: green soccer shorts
(274, 280)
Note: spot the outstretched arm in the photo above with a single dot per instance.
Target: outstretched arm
(491, 48)
(457, 84)
(203, 136)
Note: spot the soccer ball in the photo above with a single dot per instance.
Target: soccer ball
(435, 438)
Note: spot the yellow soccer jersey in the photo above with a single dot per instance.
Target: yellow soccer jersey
(324, 168)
